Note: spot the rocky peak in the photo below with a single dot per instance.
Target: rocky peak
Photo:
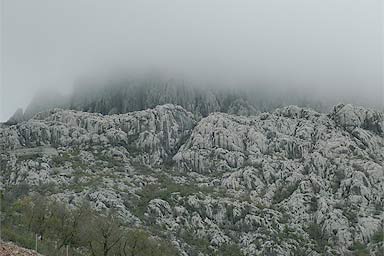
(351, 117)
(157, 131)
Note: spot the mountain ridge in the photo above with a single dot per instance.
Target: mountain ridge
(262, 182)
(127, 95)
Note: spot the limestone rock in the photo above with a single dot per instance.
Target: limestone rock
(288, 182)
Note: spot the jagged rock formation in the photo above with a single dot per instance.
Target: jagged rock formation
(289, 182)
(127, 95)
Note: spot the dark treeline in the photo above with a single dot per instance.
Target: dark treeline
(82, 230)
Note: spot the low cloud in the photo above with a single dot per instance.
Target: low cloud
(328, 49)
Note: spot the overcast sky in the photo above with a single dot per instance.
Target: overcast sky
(333, 48)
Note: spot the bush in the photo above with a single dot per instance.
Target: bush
(164, 190)
(337, 179)
(284, 192)
(15, 192)
(313, 204)
(350, 212)
(140, 243)
(60, 160)
(378, 236)
(198, 244)
(30, 156)
(228, 250)
(315, 233)
(20, 237)
(359, 249)
(82, 229)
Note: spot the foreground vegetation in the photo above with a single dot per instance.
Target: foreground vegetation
(26, 219)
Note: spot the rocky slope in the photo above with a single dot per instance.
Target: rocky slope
(9, 249)
(290, 182)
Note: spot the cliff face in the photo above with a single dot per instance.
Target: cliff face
(283, 183)
(118, 97)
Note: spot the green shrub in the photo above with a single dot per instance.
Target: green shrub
(200, 244)
(47, 188)
(164, 190)
(313, 204)
(351, 214)
(337, 179)
(315, 233)
(228, 250)
(21, 237)
(26, 157)
(14, 192)
(284, 192)
(58, 226)
(378, 236)
(359, 249)
(61, 159)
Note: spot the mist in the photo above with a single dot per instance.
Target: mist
(331, 50)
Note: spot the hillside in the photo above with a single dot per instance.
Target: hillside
(288, 182)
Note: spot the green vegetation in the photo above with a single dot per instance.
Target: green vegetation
(60, 159)
(228, 250)
(202, 245)
(26, 157)
(47, 188)
(313, 204)
(284, 192)
(107, 161)
(164, 189)
(315, 233)
(378, 236)
(350, 212)
(83, 230)
(195, 242)
(73, 157)
(288, 233)
(337, 179)
(359, 249)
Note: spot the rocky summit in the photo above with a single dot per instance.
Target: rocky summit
(292, 181)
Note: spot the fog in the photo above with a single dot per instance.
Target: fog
(331, 49)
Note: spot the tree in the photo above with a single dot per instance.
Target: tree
(136, 242)
(65, 224)
(101, 233)
(36, 213)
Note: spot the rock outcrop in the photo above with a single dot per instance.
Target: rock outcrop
(289, 182)
(156, 133)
